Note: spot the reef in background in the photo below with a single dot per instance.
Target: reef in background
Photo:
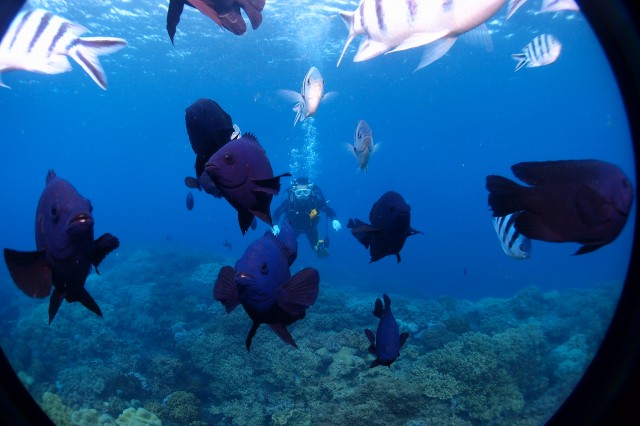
(166, 346)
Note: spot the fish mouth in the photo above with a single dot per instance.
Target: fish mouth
(243, 279)
(81, 219)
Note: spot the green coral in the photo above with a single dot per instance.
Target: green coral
(91, 417)
(139, 417)
(58, 412)
(183, 407)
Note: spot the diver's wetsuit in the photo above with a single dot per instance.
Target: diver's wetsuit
(298, 212)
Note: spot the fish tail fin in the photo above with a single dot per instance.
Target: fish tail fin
(372, 340)
(30, 271)
(521, 58)
(348, 19)
(378, 309)
(89, 303)
(253, 8)
(299, 292)
(283, 333)
(504, 195)
(102, 247)
(87, 51)
(54, 303)
(225, 290)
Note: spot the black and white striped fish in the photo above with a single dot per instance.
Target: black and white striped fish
(392, 25)
(542, 50)
(39, 41)
(513, 243)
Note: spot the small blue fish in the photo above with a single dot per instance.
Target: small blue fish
(386, 343)
(390, 227)
(261, 281)
(242, 172)
(65, 249)
(190, 201)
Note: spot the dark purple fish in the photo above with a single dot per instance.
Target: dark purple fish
(65, 249)
(242, 172)
(390, 227)
(262, 283)
(386, 343)
(225, 13)
(209, 127)
(582, 201)
(190, 201)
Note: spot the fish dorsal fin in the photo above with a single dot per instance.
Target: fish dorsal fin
(225, 290)
(592, 207)
(283, 333)
(299, 292)
(479, 36)
(419, 39)
(50, 175)
(251, 137)
(387, 303)
(377, 308)
(540, 172)
(30, 271)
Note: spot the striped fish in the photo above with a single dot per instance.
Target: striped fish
(542, 50)
(39, 41)
(392, 25)
(514, 244)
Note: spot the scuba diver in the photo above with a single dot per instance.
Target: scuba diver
(302, 209)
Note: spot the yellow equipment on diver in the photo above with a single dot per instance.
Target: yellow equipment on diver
(312, 215)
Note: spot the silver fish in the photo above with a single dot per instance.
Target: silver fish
(559, 5)
(310, 96)
(513, 243)
(391, 26)
(363, 145)
(542, 50)
(39, 41)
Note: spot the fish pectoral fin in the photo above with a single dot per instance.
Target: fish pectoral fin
(290, 95)
(253, 8)
(269, 185)
(372, 340)
(102, 247)
(299, 292)
(225, 289)
(232, 20)
(419, 39)
(403, 338)
(479, 36)
(329, 96)
(412, 231)
(283, 333)
(252, 332)
(192, 183)
(30, 271)
(85, 298)
(363, 232)
(369, 49)
(435, 50)
(592, 207)
(54, 303)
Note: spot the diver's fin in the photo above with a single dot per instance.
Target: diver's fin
(283, 333)
(54, 303)
(225, 290)
(102, 247)
(299, 292)
(30, 271)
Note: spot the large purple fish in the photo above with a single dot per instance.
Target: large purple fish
(582, 201)
(225, 13)
(65, 249)
(386, 343)
(242, 172)
(209, 127)
(262, 283)
(390, 227)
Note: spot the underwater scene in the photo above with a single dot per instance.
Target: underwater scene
(300, 212)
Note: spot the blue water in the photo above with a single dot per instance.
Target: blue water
(441, 131)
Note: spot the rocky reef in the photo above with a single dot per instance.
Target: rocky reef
(167, 353)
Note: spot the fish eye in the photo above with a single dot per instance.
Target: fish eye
(264, 269)
(228, 158)
(54, 213)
